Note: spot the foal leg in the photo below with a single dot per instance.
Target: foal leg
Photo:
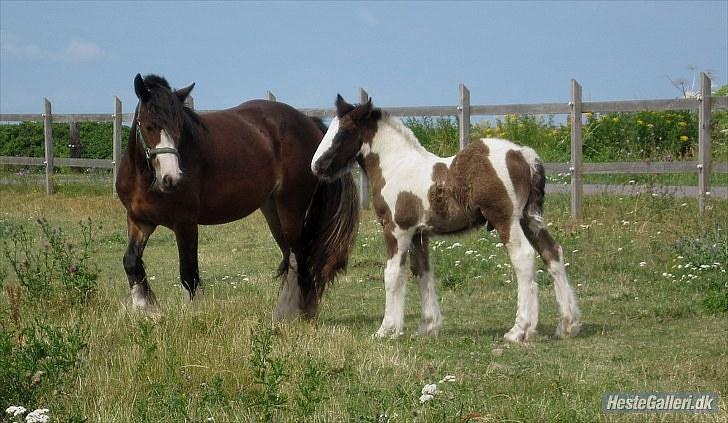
(189, 273)
(431, 320)
(395, 279)
(553, 256)
(523, 258)
(142, 296)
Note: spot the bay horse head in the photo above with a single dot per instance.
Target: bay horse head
(343, 142)
(159, 121)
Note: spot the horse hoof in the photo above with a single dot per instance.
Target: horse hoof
(516, 335)
(428, 330)
(391, 333)
(567, 328)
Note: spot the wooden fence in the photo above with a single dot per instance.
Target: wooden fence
(704, 103)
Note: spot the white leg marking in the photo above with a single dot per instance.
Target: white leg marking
(523, 258)
(431, 320)
(289, 301)
(395, 287)
(140, 300)
(570, 322)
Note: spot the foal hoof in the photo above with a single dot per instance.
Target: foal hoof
(519, 336)
(567, 327)
(391, 333)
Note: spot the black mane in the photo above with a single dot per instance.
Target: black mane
(164, 105)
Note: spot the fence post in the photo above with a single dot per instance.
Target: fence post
(74, 143)
(190, 102)
(464, 109)
(577, 188)
(363, 180)
(48, 137)
(269, 96)
(704, 141)
(116, 142)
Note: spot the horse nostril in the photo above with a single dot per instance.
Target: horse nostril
(167, 182)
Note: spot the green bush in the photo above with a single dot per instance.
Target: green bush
(26, 139)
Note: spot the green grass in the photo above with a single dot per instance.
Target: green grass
(219, 357)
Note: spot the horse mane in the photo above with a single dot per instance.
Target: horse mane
(403, 130)
(164, 104)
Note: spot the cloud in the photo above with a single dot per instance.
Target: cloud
(76, 50)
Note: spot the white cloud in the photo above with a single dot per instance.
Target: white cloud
(76, 50)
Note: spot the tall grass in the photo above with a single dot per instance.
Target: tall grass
(648, 325)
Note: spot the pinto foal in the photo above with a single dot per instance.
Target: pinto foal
(416, 193)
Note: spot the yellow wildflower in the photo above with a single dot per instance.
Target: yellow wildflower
(683, 138)
(683, 124)
(615, 119)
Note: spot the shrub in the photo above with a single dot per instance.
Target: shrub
(56, 272)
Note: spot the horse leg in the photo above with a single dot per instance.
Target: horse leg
(395, 279)
(141, 294)
(290, 298)
(189, 273)
(431, 320)
(553, 257)
(523, 258)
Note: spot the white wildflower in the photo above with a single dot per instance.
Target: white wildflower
(643, 263)
(430, 389)
(425, 397)
(16, 410)
(498, 245)
(469, 252)
(38, 416)
(448, 378)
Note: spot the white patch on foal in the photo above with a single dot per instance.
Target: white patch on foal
(290, 299)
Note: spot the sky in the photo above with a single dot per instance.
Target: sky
(80, 54)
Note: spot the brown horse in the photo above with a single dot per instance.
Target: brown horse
(182, 169)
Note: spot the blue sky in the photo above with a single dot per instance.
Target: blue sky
(82, 54)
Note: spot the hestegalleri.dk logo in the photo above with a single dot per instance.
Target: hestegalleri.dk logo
(660, 402)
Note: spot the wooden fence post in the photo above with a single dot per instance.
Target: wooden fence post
(74, 143)
(363, 180)
(116, 159)
(576, 168)
(464, 109)
(269, 96)
(190, 102)
(48, 136)
(704, 141)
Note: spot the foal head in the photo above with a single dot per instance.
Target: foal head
(159, 121)
(352, 127)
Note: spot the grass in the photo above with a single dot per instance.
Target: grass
(219, 359)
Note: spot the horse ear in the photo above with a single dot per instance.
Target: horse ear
(142, 92)
(183, 93)
(342, 107)
(363, 111)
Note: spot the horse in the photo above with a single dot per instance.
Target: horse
(182, 169)
(417, 194)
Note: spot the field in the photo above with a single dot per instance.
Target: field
(650, 277)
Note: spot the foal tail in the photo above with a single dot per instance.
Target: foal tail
(331, 225)
(534, 204)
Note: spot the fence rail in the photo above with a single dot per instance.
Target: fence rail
(703, 167)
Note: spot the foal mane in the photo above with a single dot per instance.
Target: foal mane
(403, 130)
(164, 105)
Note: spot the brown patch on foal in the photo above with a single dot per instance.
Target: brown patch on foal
(419, 255)
(469, 193)
(408, 210)
(520, 173)
(370, 164)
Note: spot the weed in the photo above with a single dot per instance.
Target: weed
(58, 271)
(268, 372)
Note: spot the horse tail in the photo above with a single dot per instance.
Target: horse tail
(331, 225)
(534, 204)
